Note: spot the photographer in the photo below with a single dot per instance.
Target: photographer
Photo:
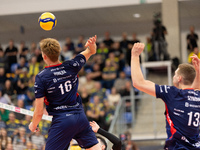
(158, 39)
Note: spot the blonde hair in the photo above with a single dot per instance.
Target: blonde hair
(51, 48)
(188, 73)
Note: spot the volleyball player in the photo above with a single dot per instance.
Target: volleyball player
(58, 84)
(182, 102)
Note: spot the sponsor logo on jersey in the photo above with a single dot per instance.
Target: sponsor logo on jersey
(62, 72)
(54, 80)
(82, 60)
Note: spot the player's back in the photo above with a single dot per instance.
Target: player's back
(182, 111)
(59, 84)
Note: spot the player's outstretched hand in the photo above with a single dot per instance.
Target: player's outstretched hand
(137, 49)
(91, 44)
(95, 126)
(196, 62)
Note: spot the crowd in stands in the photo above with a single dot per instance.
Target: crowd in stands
(102, 82)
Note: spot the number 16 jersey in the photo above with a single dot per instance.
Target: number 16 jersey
(59, 84)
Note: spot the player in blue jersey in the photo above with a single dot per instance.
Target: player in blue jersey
(58, 84)
(182, 102)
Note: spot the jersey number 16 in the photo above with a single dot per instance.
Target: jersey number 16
(67, 86)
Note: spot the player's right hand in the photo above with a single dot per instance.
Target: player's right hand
(196, 62)
(137, 49)
(95, 126)
(91, 44)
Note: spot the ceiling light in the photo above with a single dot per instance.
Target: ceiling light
(136, 15)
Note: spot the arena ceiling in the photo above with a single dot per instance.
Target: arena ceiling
(95, 21)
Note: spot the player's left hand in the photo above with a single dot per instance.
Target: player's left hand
(33, 128)
(91, 44)
(137, 49)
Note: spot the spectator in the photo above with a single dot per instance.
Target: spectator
(2, 77)
(31, 146)
(33, 47)
(192, 39)
(120, 82)
(4, 61)
(4, 98)
(114, 97)
(38, 139)
(19, 116)
(113, 60)
(109, 113)
(122, 62)
(196, 52)
(116, 49)
(25, 123)
(134, 39)
(8, 89)
(149, 56)
(108, 40)
(88, 84)
(66, 54)
(23, 50)
(127, 89)
(124, 43)
(103, 50)
(130, 45)
(22, 86)
(95, 111)
(81, 44)
(9, 147)
(2, 124)
(85, 98)
(98, 59)
(20, 140)
(22, 68)
(44, 126)
(69, 44)
(159, 42)
(4, 139)
(38, 55)
(33, 67)
(109, 75)
(4, 114)
(12, 125)
(99, 91)
(11, 52)
(96, 73)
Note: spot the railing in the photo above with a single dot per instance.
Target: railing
(122, 119)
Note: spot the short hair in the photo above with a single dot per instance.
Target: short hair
(51, 48)
(103, 142)
(188, 73)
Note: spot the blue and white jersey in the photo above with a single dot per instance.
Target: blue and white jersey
(182, 112)
(59, 84)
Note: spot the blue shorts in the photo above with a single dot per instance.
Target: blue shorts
(67, 126)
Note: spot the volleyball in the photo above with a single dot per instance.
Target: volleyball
(47, 21)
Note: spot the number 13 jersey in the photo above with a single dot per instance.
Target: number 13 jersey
(182, 111)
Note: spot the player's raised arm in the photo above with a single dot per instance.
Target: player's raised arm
(91, 47)
(196, 64)
(136, 74)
